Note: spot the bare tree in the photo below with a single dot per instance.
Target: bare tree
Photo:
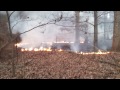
(77, 18)
(9, 27)
(77, 36)
(95, 30)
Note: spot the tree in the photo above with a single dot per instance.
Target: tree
(116, 32)
(3, 29)
(11, 36)
(4, 33)
(77, 36)
(95, 30)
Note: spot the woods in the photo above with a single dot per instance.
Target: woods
(73, 37)
(79, 30)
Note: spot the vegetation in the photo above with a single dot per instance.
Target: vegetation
(17, 64)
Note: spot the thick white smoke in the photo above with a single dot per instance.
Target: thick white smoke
(52, 32)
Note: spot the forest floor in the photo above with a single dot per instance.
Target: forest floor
(61, 65)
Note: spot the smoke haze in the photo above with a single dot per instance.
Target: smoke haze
(52, 32)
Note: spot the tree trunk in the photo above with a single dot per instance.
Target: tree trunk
(4, 33)
(116, 32)
(9, 24)
(95, 31)
(11, 36)
(77, 26)
(77, 37)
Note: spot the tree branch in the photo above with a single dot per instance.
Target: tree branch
(11, 14)
(50, 22)
(19, 22)
(103, 13)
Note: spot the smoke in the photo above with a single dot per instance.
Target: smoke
(36, 37)
(23, 21)
(53, 32)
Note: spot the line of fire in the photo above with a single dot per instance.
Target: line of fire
(65, 46)
(60, 44)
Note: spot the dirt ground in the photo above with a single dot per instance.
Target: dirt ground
(61, 65)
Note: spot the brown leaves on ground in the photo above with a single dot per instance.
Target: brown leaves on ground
(63, 65)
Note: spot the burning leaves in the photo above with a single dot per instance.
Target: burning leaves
(36, 49)
(99, 53)
(60, 50)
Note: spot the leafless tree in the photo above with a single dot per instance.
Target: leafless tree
(77, 19)
(95, 30)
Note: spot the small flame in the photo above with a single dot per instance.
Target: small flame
(99, 52)
(49, 49)
(30, 49)
(41, 48)
(22, 50)
(17, 44)
(36, 49)
(26, 49)
(60, 50)
(81, 52)
(44, 49)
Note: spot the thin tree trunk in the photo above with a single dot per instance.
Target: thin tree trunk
(9, 27)
(104, 30)
(9, 24)
(77, 27)
(95, 31)
(77, 37)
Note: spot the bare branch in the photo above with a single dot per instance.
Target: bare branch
(103, 13)
(100, 15)
(11, 14)
(106, 22)
(35, 27)
(21, 21)
(50, 22)
(89, 23)
(74, 26)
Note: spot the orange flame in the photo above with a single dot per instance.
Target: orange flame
(36, 49)
(99, 52)
(49, 49)
(60, 50)
(30, 49)
(22, 50)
